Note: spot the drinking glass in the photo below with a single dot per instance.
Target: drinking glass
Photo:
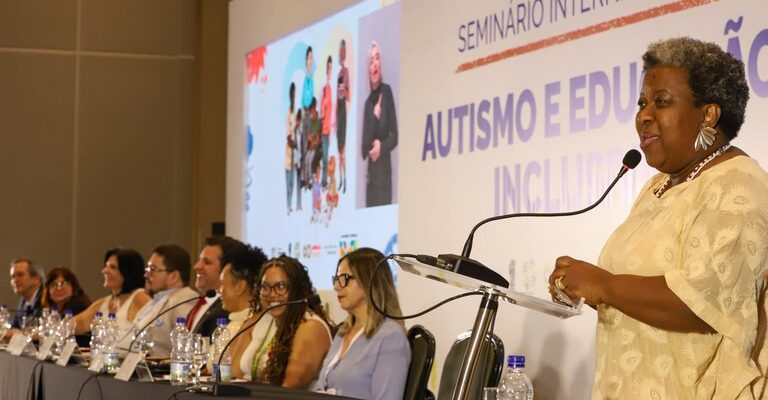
(144, 342)
(4, 327)
(29, 326)
(199, 350)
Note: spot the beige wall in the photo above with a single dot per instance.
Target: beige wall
(112, 124)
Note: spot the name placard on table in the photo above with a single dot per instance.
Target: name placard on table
(66, 353)
(45, 349)
(134, 362)
(18, 343)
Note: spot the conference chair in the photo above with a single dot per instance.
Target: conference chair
(422, 355)
(490, 364)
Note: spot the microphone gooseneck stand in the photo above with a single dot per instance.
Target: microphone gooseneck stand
(465, 266)
(486, 315)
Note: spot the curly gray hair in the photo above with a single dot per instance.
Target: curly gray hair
(714, 76)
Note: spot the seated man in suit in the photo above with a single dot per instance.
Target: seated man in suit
(27, 281)
(166, 276)
(215, 254)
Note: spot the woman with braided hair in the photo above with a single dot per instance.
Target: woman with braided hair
(292, 351)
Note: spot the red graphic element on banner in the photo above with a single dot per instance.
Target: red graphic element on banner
(254, 63)
(317, 250)
(640, 16)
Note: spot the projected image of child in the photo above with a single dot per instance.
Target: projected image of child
(313, 141)
(332, 196)
(379, 133)
(326, 110)
(342, 105)
(317, 193)
(314, 156)
(307, 97)
(298, 154)
(290, 146)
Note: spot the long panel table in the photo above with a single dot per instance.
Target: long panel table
(29, 379)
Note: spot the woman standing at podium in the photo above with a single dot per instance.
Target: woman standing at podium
(370, 355)
(679, 287)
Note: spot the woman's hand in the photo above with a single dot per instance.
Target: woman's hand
(377, 108)
(375, 151)
(645, 298)
(579, 279)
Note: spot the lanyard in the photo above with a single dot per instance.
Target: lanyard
(261, 350)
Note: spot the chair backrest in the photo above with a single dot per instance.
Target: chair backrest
(489, 366)
(422, 356)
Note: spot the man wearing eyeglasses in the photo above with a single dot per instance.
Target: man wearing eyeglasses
(216, 253)
(166, 276)
(26, 280)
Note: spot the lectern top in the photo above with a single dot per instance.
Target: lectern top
(546, 306)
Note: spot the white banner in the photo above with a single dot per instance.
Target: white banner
(528, 106)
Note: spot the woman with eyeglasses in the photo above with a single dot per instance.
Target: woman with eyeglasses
(290, 349)
(370, 355)
(63, 292)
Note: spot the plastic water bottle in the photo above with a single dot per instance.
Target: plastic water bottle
(219, 339)
(5, 315)
(5, 319)
(67, 325)
(109, 345)
(180, 357)
(97, 325)
(213, 354)
(514, 383)
(62, 330)
(49, 324)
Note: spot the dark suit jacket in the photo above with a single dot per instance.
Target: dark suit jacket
(207, 323)
(35, 311)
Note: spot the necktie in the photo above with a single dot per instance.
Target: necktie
(193, 312)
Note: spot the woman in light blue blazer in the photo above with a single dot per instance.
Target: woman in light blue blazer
(369, 356)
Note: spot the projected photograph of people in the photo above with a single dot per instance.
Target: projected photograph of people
(302, 106)
(379, 66)
(312, 189)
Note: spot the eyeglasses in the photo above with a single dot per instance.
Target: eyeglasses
(280, 288)
(59, 284)
(153, 268)
(342, 280)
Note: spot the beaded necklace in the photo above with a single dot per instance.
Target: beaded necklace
(663, 188)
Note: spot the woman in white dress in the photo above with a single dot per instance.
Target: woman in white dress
(124, 277)
(238, 280)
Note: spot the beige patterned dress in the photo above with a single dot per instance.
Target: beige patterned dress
(709, 239)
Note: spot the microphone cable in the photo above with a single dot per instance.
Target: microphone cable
(418, 314)
(31, 385)
(175, 395)
(85, 382)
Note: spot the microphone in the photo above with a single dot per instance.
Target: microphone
(466, 266)
(235, 390)
(209, 294)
